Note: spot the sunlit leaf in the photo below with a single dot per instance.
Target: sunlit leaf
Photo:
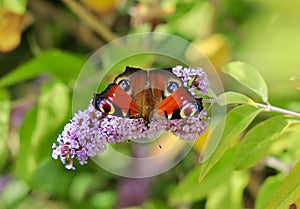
(62, 65)
(15, 6)
(216, 47)
(267, 190)
(236, 121)
(289, 190)
(200, 15)
(256, 142)
(287, 147)
(4, 126)
(234, 98)
(249, 77)
(297, 202)
(53, 108)
(296, 81)
(189, 190)
(201, 141)
(230, 194)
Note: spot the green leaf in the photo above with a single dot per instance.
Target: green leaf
(58, 178)
(257, 141)
(15, 6)
(267, 190)
(289, 190)
(13, 193)
(80, 186)
(236, 121)
(104, 199)
(189, 191)
(39, 128)
(62, 65)
(286, 148)
(4, 125)
(234, 98)
(201, 14)
(154, 204)
(230, 193)
(249, 77)
(126, 56)
(53, 110)
(25, 159)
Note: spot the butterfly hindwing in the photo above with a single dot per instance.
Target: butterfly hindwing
(115, 101)
(179, 104)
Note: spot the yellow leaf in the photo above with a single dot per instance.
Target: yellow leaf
(201, 142)
(101, 6)
(10, 30)
(215, 47)
(288, 192)
(296, 81)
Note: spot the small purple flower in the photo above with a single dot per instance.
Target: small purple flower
(189, 128)
(194, 79)
(80, 138)
(89, 131)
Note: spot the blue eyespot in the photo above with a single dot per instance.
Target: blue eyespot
(172, 86)
(104, 105)
(189, 109)
(124, 84)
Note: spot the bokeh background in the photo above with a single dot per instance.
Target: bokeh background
(43, 46)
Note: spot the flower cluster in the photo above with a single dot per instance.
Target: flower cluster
(80, 138)
(89, 131)
(194, 79)
(189, 128)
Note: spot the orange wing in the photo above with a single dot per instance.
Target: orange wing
(115, 101)
(179, 104)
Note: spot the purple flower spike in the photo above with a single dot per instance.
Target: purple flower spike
(89, 131)
(80, 138)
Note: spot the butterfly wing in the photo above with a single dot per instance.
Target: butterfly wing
(136, 93)
(115, 101)
(179, 104)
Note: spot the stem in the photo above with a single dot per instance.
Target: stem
(45, 9)
(278, 109)
(266, 107)
(91, 20)
(275, 163)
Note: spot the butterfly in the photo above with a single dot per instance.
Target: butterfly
(138, 93)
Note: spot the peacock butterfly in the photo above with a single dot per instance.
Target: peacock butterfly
(138, 93)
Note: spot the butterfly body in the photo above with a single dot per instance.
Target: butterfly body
(138, 93)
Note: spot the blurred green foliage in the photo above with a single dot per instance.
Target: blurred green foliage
(38, 78)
